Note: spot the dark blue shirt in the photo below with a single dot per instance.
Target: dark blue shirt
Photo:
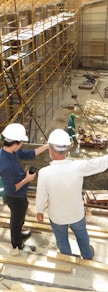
(12, 172)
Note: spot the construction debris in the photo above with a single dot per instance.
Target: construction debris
(68, 106)
(97, 119)
(86, 85)
(96, 199)
(92, 140)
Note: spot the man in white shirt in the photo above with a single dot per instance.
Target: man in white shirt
(59, 187)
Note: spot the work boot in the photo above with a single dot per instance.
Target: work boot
(25, 234)
(92, 249)
(25, 247)
(28, 248)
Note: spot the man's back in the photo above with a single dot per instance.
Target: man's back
(63, 186)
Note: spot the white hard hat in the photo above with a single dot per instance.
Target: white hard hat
(15, 132)
(59, 138)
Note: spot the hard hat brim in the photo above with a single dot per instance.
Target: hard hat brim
(25, 139)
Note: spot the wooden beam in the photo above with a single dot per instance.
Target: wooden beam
(35, 264)
(96, 228)
(54, 289)
(32, 219)
(77, 261)
(46, 221)
(98, 234)
(93, 231)
(97, 211)
(44, 289)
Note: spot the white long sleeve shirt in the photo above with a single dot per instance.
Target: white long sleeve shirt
(60, 184)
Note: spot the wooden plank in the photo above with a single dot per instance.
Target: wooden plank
(98, 234)
(33, 225)
(35, 264)
(77, 261)
(94, 231)
(54, 289)
(96, 228)
(44, 289)
(97, 211)
(46, 221)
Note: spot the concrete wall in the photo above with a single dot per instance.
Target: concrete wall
(94, 34)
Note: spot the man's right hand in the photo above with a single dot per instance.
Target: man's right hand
(30, 177)
(40, 217)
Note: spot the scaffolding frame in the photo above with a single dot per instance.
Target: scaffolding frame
(39, 48)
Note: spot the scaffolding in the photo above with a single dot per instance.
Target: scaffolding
(38, 49)
(41, 44)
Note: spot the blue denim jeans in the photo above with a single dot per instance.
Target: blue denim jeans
(80, 232)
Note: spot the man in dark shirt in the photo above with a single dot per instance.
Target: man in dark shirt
(15, 179)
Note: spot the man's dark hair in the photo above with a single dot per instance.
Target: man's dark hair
(9, 144)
